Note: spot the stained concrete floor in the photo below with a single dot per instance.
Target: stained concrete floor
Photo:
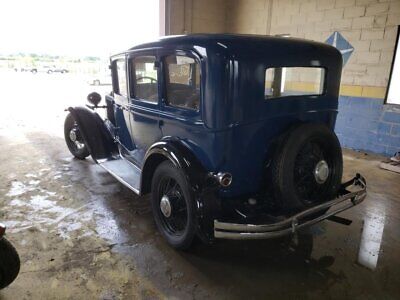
(82, 235)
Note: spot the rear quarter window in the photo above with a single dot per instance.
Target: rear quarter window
(294, 81)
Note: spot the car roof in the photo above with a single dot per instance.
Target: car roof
(237, 44)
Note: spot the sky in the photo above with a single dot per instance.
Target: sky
(76, 28)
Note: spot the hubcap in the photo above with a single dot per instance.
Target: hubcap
(75, 137)
(165, 206)
(72, 135)
(321, 171)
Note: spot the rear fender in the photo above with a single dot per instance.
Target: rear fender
(203, 186)
(97, 137)
(181, 156)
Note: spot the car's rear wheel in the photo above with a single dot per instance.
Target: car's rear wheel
(307, 167)
(9, 263)
(173, 206)
(74, 139)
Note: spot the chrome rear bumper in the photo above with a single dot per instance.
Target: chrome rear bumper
(292, 224)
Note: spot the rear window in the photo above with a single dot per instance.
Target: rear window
(294, 81)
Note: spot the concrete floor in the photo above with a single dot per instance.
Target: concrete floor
(82, 235)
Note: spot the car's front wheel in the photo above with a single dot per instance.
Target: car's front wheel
(173, 206)
(74, 139)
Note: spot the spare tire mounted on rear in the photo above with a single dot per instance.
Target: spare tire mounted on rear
(307, 167)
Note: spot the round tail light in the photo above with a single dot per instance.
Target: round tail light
(224, 179)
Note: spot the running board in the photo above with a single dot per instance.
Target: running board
(124, 171)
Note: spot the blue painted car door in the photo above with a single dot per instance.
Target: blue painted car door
(121, 104)
(144, 102)
(180, 113)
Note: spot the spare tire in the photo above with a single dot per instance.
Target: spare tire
(307, 167)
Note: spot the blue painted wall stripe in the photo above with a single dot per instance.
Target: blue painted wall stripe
(367, 124)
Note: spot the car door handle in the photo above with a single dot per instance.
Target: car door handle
(160, 123)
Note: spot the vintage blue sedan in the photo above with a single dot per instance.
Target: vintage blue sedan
(233, 135)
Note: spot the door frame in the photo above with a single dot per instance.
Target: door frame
(121, 102)
(141, 107)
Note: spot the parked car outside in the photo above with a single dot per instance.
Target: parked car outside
(233, 135)
(42, 69)
(26, 69)
(52, 69)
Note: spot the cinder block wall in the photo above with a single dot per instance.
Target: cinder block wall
(364, 122)
(369, 25)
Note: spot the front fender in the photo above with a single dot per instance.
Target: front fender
(95, 134)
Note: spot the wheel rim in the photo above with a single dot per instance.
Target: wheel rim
(312, 172)
(76, 138)
(321, 171)
(172, 206)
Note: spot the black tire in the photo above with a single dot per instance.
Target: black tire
(182, 208)
(9, 263)
(294, 182)
(79, 150)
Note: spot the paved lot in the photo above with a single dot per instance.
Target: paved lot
(81, 234)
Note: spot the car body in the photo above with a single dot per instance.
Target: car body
(216, 107)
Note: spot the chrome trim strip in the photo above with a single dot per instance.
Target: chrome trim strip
(292, 224)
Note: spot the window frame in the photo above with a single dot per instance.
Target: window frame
(165, 77)
(324, 77)
(115, 77)
(395, 55)
(132, 77)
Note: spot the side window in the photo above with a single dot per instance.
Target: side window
(182, 81)
(294, 81)
(145, 78)
(121, 77)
